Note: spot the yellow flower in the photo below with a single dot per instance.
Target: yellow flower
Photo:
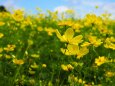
(75, 50)
(1, 35)
(1, 49)
(64, 67)
(82, 51)
(80, 80)
(50, 31)
(19, 62)
(93, 40)
(34, 66)
(85, 44)
(10, 48)
(71, 50)
(30, 42)
(109, 74)
(93, 19)
(77, 27)
(101, 60)
(18, 15)
(65, 23)
(44, 65)
(32, 72)
(40, 29)
(2, 23)
(8, 56)
(35, 55)
(1, 55)
(70, 67)
(110, 43)
(68, 37)
(32, 81)
(50, 83)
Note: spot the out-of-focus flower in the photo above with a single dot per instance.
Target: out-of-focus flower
(66, 23)
(77, 27)
(8, 56)
(34, 66)
(109, 74)
(50, 31)
(32, 81)
(68, 67)
(35, 55)
(1, 49)
(40, 29)
(31, 71)
(44, 65)
(10, 48)
(18, 15)
(1, 35)
(2, 23)
(18, 61)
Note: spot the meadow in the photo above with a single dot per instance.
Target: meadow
(56, 50)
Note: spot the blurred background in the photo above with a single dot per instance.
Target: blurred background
(81, 7)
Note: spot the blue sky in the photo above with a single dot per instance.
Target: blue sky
(81, 7)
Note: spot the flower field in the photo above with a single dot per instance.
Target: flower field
(55, 49)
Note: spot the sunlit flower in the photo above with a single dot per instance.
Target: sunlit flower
(75, 50)
(77, 27)
(93, 40)
(18, 15)
(69, 37)
(85, 44)
(71, 50)
(82, 51)
(110, 43)
(101, 60)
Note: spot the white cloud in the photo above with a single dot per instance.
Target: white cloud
(61, 9)
(86, 6)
